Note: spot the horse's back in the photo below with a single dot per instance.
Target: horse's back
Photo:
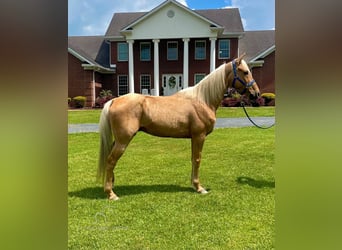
(166, 116)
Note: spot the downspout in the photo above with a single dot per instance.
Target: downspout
(93, 90)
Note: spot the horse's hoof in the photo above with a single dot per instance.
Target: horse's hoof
(113, 198)
(203, 191)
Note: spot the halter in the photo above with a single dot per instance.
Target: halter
(236, 77)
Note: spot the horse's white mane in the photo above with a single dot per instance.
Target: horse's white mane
(209, 89)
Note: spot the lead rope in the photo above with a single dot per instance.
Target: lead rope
(256, 125)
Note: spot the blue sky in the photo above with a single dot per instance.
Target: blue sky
(92, 17)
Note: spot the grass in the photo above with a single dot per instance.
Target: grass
(78, 116)
(92, 116)
(158, 208)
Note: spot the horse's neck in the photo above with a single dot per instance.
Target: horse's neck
(214, 86)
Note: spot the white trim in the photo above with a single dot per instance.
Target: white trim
(264, 54)
(97, 68)
(156, 66)
(186, 62)
(115, 38)
(254, 64)
(78, 56)
(212, 53)
(130, 66)
(231, 35)
(89, 65)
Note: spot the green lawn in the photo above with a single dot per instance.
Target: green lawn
(158, 208)
(92, 116)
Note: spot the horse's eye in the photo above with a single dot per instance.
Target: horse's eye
(246, 72)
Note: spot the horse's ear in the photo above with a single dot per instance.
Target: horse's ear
(238, 60)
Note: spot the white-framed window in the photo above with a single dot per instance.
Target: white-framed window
(145, 51)
(200, 50)
(199, 77)
(145, 84)
(122, 52)
(122, 84)
(172, 51)
(224, 49)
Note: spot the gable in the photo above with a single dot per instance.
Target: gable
(92, 51)
(257, 44)
(171, 20)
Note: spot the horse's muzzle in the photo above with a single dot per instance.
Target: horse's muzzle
(254, 94)
(254, 90)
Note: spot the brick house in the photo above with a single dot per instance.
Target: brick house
(163, 51)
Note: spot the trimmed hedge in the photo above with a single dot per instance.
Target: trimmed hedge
(79, 101)
(269, 99)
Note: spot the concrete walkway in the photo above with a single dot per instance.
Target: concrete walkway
(220, 123)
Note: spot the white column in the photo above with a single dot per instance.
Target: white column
(212, 53)
(130, 66)
(156, 66)
(186, 63)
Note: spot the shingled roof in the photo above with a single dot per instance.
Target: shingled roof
(90, 49)
(257, 43)
(228, 18)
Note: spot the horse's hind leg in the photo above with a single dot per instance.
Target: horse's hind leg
(196, 148)
(117, 151)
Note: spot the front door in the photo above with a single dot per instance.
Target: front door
(172, 83)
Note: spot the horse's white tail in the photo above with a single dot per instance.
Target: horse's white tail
(106, 141)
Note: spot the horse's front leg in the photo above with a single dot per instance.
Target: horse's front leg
(196, 148)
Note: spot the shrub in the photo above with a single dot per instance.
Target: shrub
(260, 101)
(230, 102)
(269, 98)
(104, 96)
(268, 95)
(79, 101)
(234, 99)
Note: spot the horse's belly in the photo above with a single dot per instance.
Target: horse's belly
(167, 128)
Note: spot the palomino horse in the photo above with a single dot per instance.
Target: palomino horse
(189, 113)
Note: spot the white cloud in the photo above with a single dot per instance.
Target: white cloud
(255, 14)
(92, 17)
(88, 28)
